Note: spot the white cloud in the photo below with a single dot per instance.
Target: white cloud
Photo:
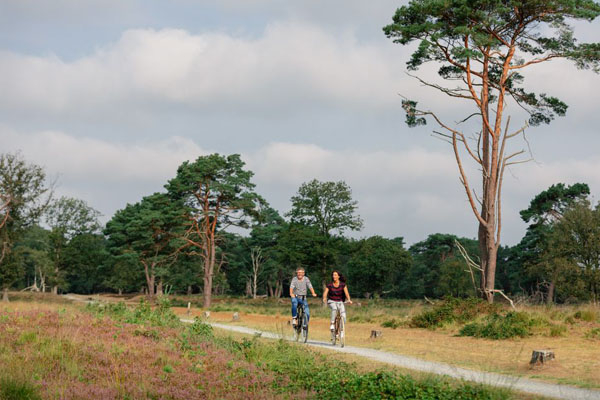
(94, 160)
(411, 192)
(288, 64)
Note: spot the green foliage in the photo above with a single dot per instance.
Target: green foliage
(24, 194)
(454, 32)
(438, 269)
(586, 315)
(148, 333)
(377, 264)
(147, 231)
(391, 323)
(325, 205)
(87, 263)
(200, 329)
(17, 389)
(449, 310)
(500, 326)
(327, 377)
(593, 333)
(143, 313)
(557, 330)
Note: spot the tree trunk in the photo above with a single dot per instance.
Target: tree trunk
(189, 290)
(551, 288)
(279, 289)
(150, 278)
(207, 292)
(55, 290)
(120, 292)
(489, 251)
(159, 288)
(5, 295)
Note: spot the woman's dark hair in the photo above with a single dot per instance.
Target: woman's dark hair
(342, 277)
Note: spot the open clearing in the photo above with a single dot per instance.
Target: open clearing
(578, 359)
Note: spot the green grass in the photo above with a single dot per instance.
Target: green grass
(17, 389)
(327, 377)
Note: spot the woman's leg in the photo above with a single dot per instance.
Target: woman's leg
(333, 308)
(343, 310)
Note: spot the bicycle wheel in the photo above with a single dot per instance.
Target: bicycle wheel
(304, 327)
(342, 332)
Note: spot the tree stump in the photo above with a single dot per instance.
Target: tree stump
(541, 357)
(375, 334)
(206, 314)
(236, 316)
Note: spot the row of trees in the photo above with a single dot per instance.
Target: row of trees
(178, 241)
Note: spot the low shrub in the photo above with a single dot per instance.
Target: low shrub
(586, 315)
(593, 334)
(391, 323)
(557, 330)
(452, 309)
(200, 329)
(16, 389)
(143, 313)
(499, 326)
(328, 377)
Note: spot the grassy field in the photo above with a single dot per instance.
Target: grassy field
(62, 351)
(572, 332)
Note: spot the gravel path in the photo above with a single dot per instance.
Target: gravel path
(506, 381)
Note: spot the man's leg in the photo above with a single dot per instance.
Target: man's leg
(294, 307)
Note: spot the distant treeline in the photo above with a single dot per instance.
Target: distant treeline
(166, 241)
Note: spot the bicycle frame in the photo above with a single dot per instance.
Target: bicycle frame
(339, 331)
(301, 328)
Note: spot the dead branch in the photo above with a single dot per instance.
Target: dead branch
(473, 265)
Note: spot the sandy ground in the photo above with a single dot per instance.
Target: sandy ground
(502, 363)
(494, 379)
(578, 359)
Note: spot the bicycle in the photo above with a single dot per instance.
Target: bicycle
(301, 327)
(339, 329)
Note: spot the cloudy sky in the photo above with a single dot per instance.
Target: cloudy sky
(110, 96)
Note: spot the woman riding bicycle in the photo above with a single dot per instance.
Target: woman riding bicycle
(335, 293)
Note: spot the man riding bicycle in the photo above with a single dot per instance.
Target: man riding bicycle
(298, 289)
(335, 293)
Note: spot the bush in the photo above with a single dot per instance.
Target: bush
(593, 334)
(330, 379)
(200, 329)
(14, 389)
(497, 326)
(586, 315)
(143, 313)
(391, 323)
(452, 309)
(557, 330)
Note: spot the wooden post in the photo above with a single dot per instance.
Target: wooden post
(541, 356)
(188, 310)
(375, 334)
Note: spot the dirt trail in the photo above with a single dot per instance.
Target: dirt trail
(499, 380)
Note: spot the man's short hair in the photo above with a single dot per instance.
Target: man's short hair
(300, 269)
